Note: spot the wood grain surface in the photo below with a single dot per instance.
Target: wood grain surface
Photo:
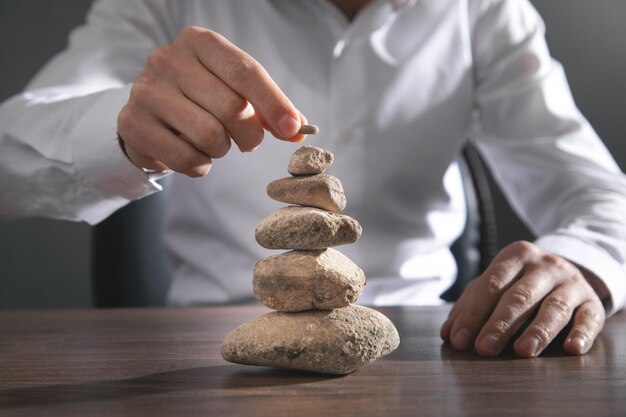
(166, 362)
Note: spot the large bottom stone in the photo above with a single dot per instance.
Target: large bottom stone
(337, 342)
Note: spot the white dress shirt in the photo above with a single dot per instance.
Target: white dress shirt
(396, 92)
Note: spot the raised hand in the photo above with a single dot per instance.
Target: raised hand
(193, 96)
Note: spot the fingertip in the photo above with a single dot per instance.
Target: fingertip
(251, 145)
(199, 171)
(252, 150)
(576, 345)
(588, 322)
(299, 137)
(462, 339)
(288, 126)
(488, 345)
(527, 347)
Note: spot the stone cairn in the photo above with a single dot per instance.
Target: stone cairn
(316, 327)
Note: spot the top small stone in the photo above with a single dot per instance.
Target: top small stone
(309, 160)
(309, 130)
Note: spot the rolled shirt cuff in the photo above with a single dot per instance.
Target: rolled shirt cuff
(109, 178)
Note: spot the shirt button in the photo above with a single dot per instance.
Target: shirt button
(339, 47)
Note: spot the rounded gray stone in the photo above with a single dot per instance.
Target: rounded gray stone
(306, 228)
(309, 160)
(305, 280)
(321, 191)
(338, 341)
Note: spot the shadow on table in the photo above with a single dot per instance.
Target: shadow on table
(221, 377)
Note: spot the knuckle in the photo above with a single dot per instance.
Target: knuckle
(163, 61)
(559, 306)
(542, 332)
(124, 120)
(143, 91)
(494, 285)
(522, 247)
(522, 297)
(206, 131)
(127, 126)
(502, 326)
(232, 105)
(241, 70)
(555, 261)
(200, 37)
(594, 316)
(211, 37)
(579, 279)
(153, 59)
(156, 58)
(191, 32)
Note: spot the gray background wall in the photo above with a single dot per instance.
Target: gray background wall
(45, 263)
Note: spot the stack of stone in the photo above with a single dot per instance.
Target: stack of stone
(316, 327)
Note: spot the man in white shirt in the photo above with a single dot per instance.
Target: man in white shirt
(396, 87)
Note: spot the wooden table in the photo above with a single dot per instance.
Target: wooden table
(153, 362)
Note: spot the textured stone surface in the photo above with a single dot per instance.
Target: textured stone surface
(321, 191)
(306, 228)
(310, 160)
(338, 341)
(304, 280)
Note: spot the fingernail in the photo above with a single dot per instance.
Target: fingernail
(489, 344)
(462, 339)
(288, 126)
(579, 343)
(530, 345)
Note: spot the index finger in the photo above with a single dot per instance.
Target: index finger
(248, 78)
(480, 299)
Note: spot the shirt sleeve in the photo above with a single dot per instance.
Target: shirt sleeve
(551, 165)
(59, 153)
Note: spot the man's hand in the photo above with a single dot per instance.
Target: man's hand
(193, 96)
(523, 279)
